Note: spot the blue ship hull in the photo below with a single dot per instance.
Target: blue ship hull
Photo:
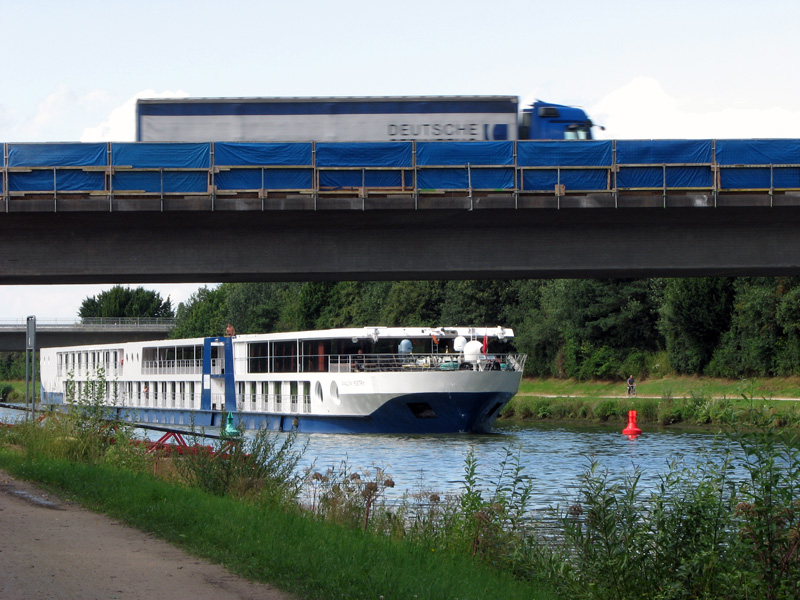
(412, 414)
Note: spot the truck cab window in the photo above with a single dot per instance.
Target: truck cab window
(576, 132)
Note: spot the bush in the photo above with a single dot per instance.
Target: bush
(605, 409)
(262, 467)
(601, 364)
(637, 363)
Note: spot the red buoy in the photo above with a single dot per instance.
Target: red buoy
(632, 430)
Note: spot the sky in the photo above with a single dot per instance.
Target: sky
(644, 70)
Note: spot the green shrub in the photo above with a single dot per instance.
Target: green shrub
(605, 409)
(647, 410)
(670, 411)
(262, 467)
(637, 363)
(601, 364)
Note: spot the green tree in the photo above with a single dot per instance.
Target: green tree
(203, 314)
(788, 319)
(307, 308)
(603, 322)
(259, 307)
(476, 302)
(413, 303)
(749, 348)
(12, 366)
(694, 315)
(122, 301)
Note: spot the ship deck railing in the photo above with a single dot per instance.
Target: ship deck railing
(350, 363)
(172, 367)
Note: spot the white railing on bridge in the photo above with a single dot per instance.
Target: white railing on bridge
(161, 323)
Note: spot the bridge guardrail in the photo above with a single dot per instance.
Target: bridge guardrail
(93, 322)
(265, 170)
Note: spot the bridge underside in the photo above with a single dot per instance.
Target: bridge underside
(12, 339)
(354, 238)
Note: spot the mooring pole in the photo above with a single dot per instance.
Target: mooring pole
(30, 363)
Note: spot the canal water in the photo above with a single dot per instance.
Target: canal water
(554, 457)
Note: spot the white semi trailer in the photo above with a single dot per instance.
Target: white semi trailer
(342, 119)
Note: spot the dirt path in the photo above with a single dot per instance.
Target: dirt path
(52, 549)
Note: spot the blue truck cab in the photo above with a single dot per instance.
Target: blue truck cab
(546, 121)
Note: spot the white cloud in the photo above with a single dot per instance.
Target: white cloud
(120, 126)
(52, 108)
(95, 99)
(642, 109)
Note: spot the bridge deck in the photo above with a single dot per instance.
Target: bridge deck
(141, 212)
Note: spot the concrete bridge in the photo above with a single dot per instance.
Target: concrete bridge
(669, 208)
(70, 332)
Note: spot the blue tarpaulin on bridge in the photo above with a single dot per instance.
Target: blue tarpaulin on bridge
(451, 160)
(573, 180)
(565, 154)
(72, 157)
(161, 156)
(354, 179)
(263, 154)
(462, 178)
(463, 153)
(268, 179)
(266, 165)
(683, 154)
(60, 180)
(169, 160)
(569, 156)
(370, 157)
(762, 178)
(380, 154)
(759, 152)
(579, 166)
(656, 152)
(57, 155)
(167, 182)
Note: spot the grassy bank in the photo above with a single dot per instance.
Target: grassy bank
(674, 401)
(676, 387)
(252, 522)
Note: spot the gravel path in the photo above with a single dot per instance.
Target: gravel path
(50, 548)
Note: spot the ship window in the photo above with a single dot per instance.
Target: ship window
(315, 355)
(284, 357)
(422, 410)
(257, 357)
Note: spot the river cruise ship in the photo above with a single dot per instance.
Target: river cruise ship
(353, 380)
